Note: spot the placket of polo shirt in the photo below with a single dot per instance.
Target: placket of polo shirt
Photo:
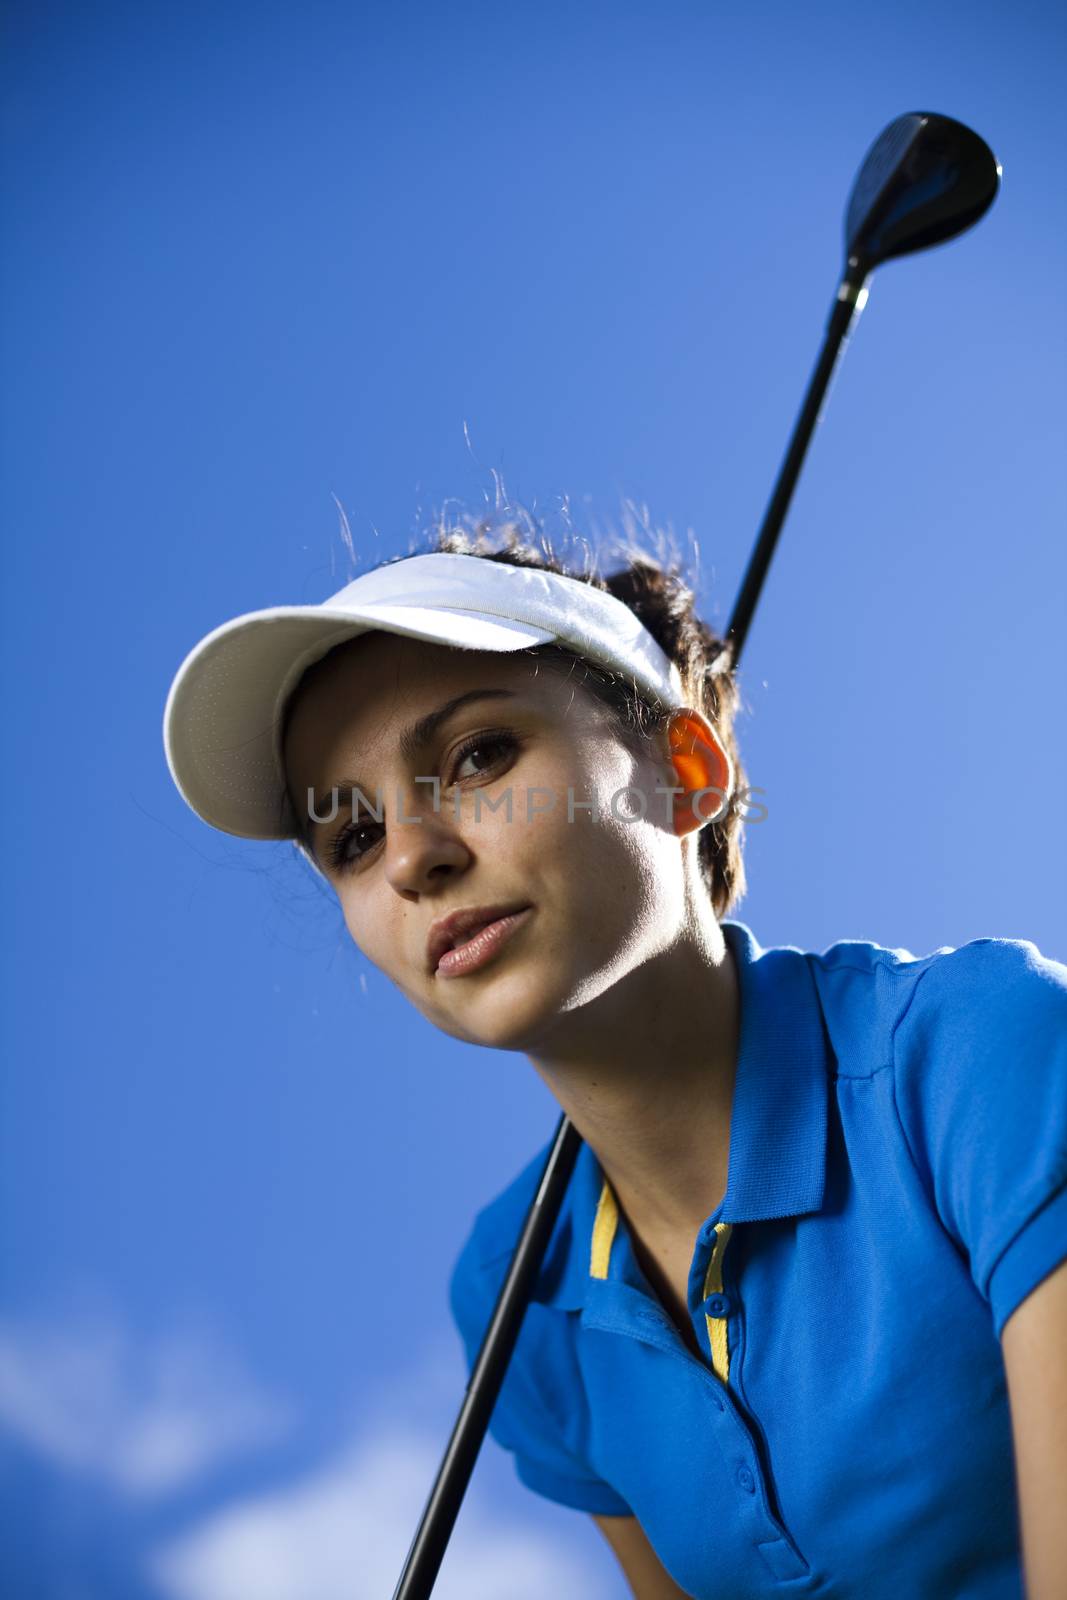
(715, 1307)
(650, 1319)
(618, 1307)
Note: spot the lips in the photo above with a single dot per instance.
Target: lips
(461, 925)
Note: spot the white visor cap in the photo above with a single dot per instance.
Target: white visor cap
(224, 714)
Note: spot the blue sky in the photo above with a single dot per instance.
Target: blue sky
(262, 260)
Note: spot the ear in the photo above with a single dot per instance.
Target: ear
(699, 768)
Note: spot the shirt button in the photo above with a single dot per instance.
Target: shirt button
(746, 1480)
(718, 1306)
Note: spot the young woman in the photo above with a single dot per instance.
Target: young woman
(802, 1323)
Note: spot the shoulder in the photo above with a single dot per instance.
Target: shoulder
(886, 1006)
(980, 1091)
(494, 1230)
(538, 1414)
(489, 1246)
(979, 1051)
(989, 993)
(971, 1043)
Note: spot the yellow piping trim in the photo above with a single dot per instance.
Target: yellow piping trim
(607, 1217)
(604, 1227)
(720, 1353)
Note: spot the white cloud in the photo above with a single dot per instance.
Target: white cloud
(148, 1420)
(344, 1532)
(152, 1418)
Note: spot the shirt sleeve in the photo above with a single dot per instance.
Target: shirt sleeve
(527, 1419)
(980, 1076)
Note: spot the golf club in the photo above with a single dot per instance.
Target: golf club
(925, 179)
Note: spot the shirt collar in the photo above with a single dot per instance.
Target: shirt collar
(778, 1122)
(778, 1128)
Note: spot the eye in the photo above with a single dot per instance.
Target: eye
(494, 745)
(338, 854)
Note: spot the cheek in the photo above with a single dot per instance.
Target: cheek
(614, 853)
(634, 849)
(369, 933)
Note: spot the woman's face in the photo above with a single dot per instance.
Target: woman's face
(604, 894)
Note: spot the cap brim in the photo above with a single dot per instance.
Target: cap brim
(222, 721)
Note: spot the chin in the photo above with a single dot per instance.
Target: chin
(512, 1012)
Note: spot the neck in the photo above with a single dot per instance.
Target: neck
(646, 1075)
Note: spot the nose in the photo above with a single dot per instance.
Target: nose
(422, 846)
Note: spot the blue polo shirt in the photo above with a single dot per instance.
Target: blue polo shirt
(897, 1184)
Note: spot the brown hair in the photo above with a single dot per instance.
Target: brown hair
(654, 589)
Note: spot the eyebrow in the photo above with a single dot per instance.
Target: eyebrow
(411, 742)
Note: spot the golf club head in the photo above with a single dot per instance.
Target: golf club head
(924, 179)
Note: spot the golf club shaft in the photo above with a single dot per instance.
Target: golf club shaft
(435, 1528)
(848, 303)
(446, 1496)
